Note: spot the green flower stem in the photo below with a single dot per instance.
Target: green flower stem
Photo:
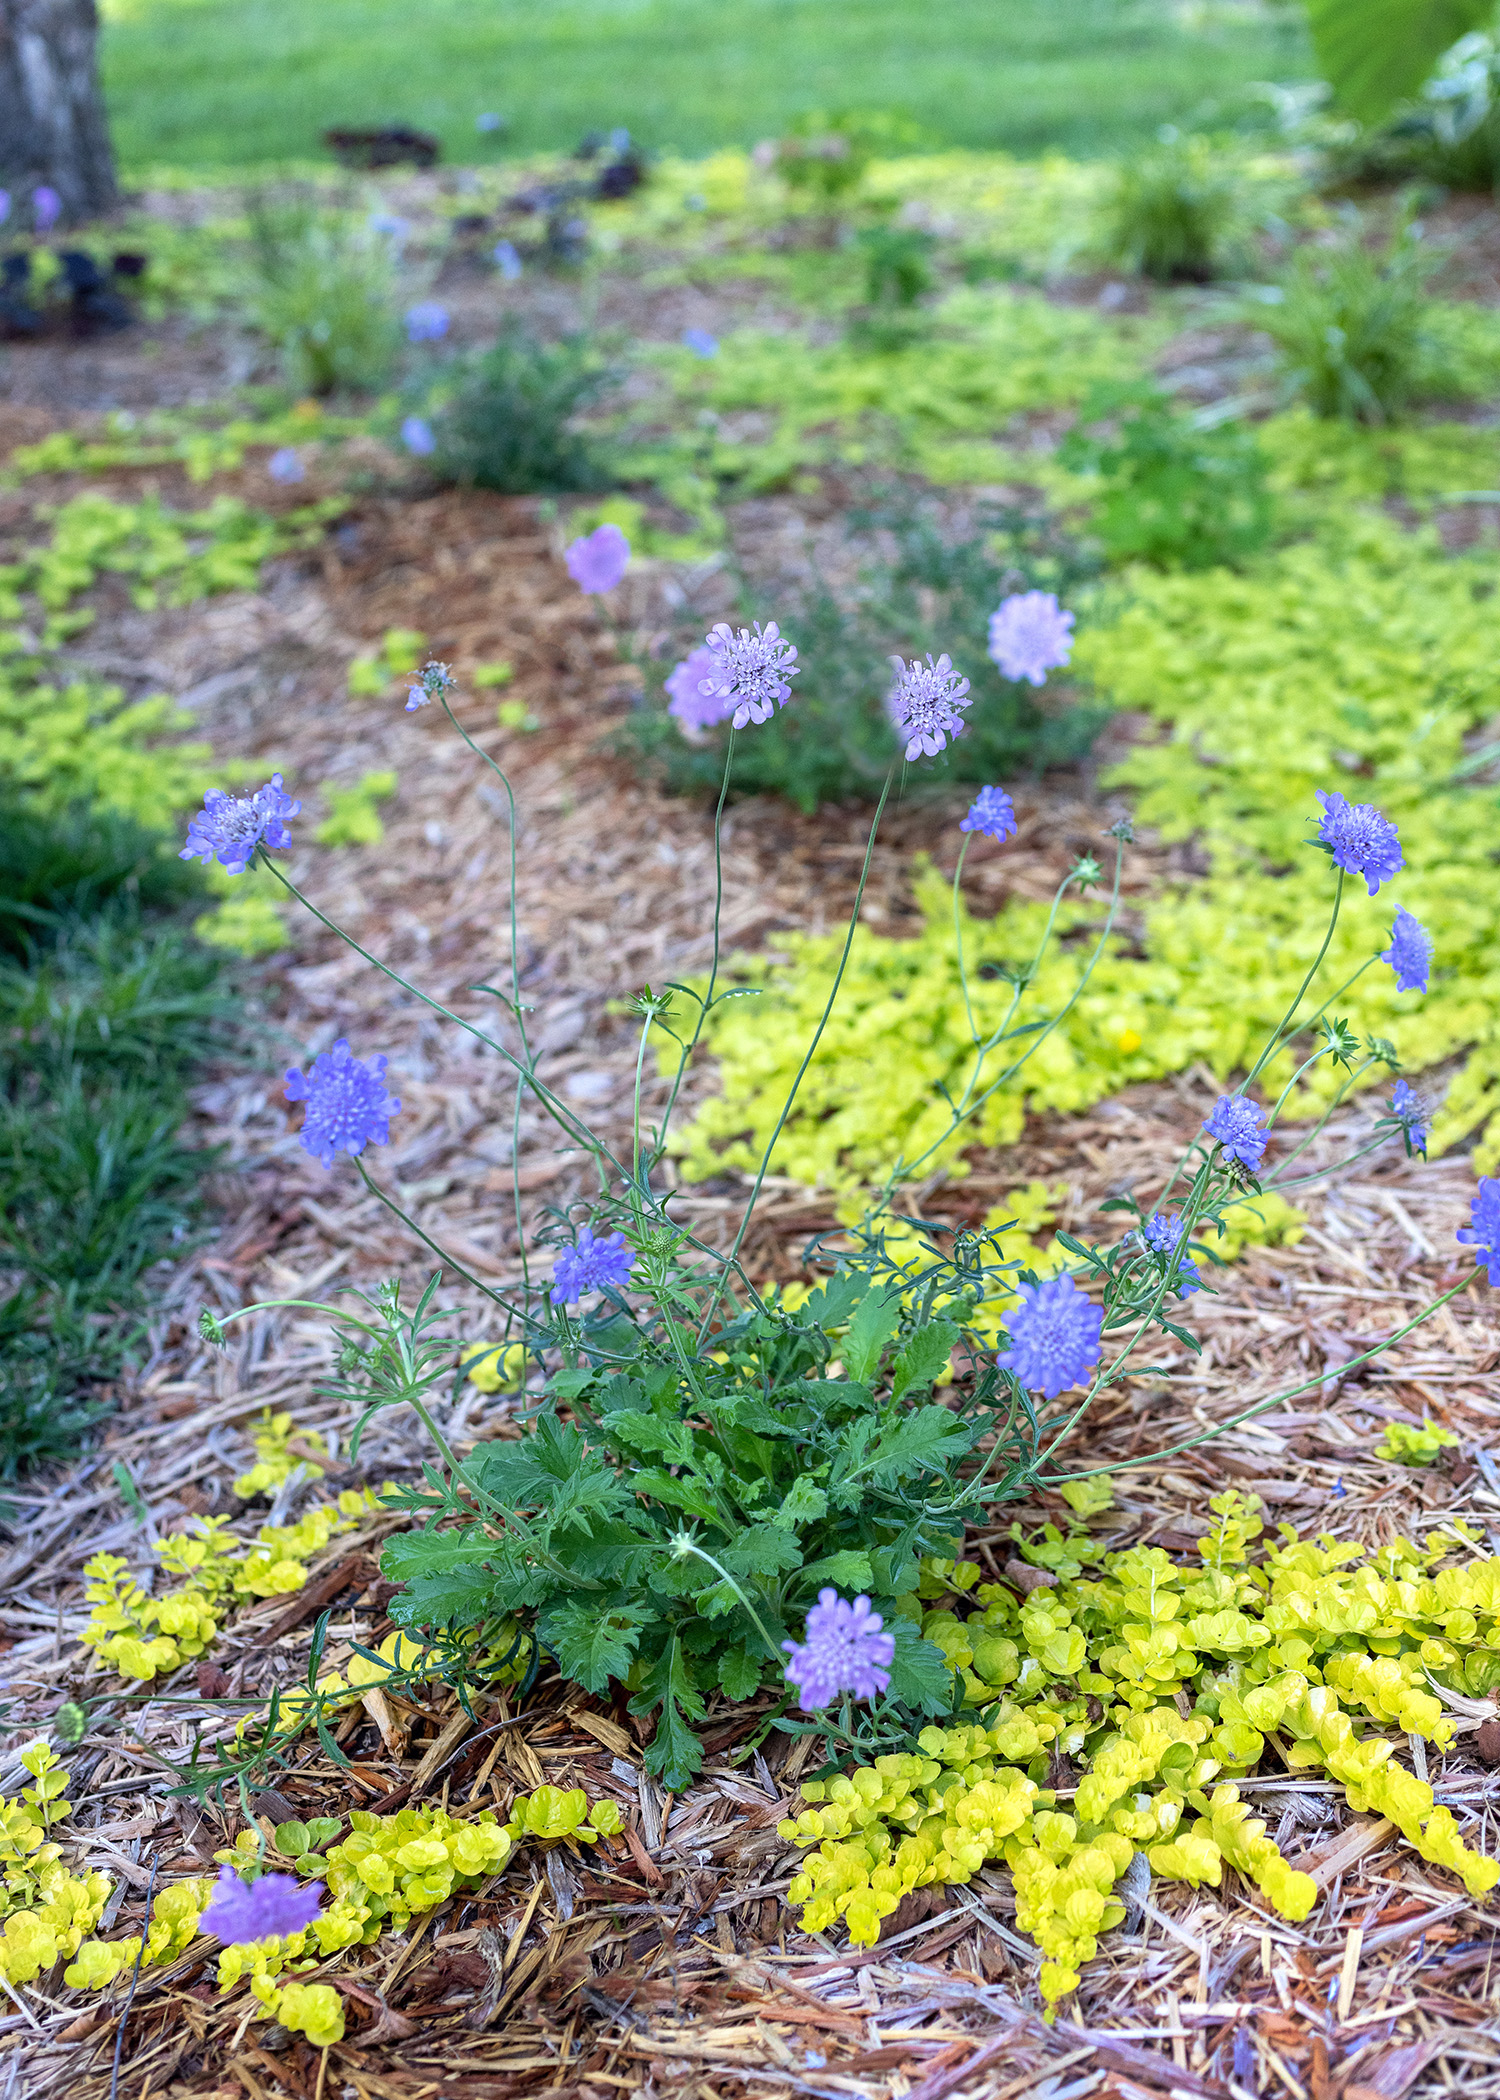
(1274, 1041)
(706, 1005)
(682, 1545)
(958, 935)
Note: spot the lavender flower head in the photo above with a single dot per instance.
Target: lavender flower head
(432, 680)
(228, 828)
(417, 437)
(1166, 1236)
(992, 813)
(1054, 1337)
(1410, 952)
(487, 120)
(591, 1265)
(1235, 1123)
(597, 560)
(507, 260)
(751, 669)
(694, 698)
(1414, 1114)
(1482, 1232)
(926, 704)
(46, 207)
(1030, 635)
(426, 322)
(241, 1912)
(700, 342)
(842, 1650)
(4, 206)
(285, 465)
(348, 1106)
(1359, 839)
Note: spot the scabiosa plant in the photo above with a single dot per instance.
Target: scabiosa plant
(1410, 952)
(1054, 1337)
(348, 1105)
(242, 1912)
(417, 437)
(228, 828)
(1235, 1123)
(926, 704)
(286, 466)
(1030, 635)
(46, 207)
(426, 322)
(1165, 1234)
(991, 813)
(591, 1265)
(1413, 1112)
(506, 257)
(1358, 838)
(432, 680)
(691, 687)
(751, 669)
(1482, 1232)
(700, 342)
(598, 559)
(843, 1650)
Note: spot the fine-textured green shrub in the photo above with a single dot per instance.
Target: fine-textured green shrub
(923, 589)
(1176, 491)
(507, 418)
(1172, 212)
(1354, 328)
(322, 290)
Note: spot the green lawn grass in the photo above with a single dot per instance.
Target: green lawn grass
(233, 83)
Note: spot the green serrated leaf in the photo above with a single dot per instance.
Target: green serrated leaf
(872, 1326)
(846, 1570)
(924, 1356)
(739, 1674)
(674, 1753)
(803, 1503)
(677, 1494)
(669, 1439)
(593, 1643)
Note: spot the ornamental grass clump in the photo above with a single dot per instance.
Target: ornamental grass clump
(708, 1465)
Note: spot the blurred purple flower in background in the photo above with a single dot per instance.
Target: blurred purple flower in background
(1482, 1232)
(1413, 1112)
(417, 437)
(426, 322)
(843, 1649)
(348, 1106)
(489, 121)
(228, 828)
(388, 223)
(700, 342)
(4, 206)
(285, 466)
(690, 704)
(46, 207)
(926, 703)
(991, 813)
(1030, 635)
(241, 1912)
(507, 260)
(597, 560)
(1410, 952)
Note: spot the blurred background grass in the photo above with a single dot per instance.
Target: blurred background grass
(236, 83)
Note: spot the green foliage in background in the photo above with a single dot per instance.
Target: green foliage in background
(1177, 490)
(1376, 53)
(1368, 667)
(506, 418)
(1173, 211)
(322, 289)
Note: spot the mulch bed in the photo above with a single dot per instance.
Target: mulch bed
(666, 1960)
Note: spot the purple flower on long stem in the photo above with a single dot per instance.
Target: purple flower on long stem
(926, 704)
(1413, 1113)
(348, 1105)
(591, 1265)
(1054, 1337)
(228, 828)
(1410, 952)
(843, 1650)
(1030, 635)
(1482, 1232)
(597, 560)
(1166, 1236)
(991, 813)
(1235, 1122)
(431, 680)
(242, 1912)
(1359, 839)
(751, 669)
(426, 322)
(694, 698)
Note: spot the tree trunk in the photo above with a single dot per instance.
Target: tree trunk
(52, 127)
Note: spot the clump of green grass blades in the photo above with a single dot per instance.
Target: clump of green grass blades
(106, 1004)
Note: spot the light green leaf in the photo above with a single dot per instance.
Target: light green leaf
(871, 1328)
(1374, 53)
(924, 1357)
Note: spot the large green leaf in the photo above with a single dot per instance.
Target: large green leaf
(593, 1643)
(1374, 53)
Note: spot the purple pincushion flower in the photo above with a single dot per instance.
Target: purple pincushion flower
(348, 1106)
(992, 813)
(694, 697)
(1054, 1337)
(1359, 839)
(4, 206)
(46, 207)
(242, 1912)
(286, 466)
(431, 680)
(1482, 1232)
(228, 828)
(1166, 1235)
(1410, 952)
(1030, 635)
(751, 669)
(1413, 1112)
(842, 1650)
(591, 1265)
(426, 322)
(597, 560)
(926, 704)
(700, 342)
(1235, 1122)
(417, 437)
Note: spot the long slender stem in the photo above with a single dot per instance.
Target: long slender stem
(706, 1005)
(958, 935)
(1317, 964)
(442, 1253)
(683, 1545)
